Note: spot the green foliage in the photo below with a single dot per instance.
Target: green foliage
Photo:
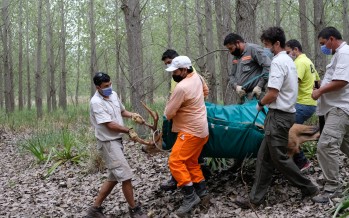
(219, 164)
(309, 149)
(342, 206)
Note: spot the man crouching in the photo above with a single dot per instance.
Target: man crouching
(186, 108)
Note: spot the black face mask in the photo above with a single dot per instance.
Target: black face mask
(236, 52)
(177, 78)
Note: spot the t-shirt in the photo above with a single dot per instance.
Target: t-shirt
(307, 75)
(338, 69)
(283, 77)
(186, 106)
(104, 110)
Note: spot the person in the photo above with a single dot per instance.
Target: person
(281, 98)
(305, 106)
(250, 69)
(106, 115)
(334, 105)
(167, 58)
(186, 108)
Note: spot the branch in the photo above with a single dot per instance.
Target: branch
(196, 59)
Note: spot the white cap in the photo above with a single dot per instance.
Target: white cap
(179, 62)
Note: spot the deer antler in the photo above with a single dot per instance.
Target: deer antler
(154, 115)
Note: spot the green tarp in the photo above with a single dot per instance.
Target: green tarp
(232, 131)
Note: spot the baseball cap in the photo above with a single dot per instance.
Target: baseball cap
(179, 62)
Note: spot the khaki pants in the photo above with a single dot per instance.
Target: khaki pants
(273, 154)
(334, 137)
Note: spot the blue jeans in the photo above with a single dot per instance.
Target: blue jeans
(303, 113)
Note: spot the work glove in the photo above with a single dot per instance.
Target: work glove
(137, 118)
(257, 91)
(132, 134)
(259, 106)
(240, 91)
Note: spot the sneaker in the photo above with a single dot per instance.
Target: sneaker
(306, 166)
(169, 185)
(325, 196)
(95, 212)
(137, 212)
(189, 201)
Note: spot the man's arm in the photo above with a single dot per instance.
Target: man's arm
(116, 127)
(175, 102)
(270, 97)
(264, 61)
(334, 85)
(232, 75)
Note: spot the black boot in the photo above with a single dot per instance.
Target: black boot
(189, 201)
(202, 192)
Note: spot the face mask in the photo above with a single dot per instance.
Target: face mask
(177, 78)
(292, 56)
(107, 91)
(325, 50)
(168, 65)
(236, 52)
(268, 52)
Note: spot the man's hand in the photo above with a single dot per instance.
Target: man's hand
(257, 91)
(259, 106)
(137, 118)
(316, 94)
(240, 91)
(132, 134)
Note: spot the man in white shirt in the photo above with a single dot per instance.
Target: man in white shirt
(281, 98)
(333, 103)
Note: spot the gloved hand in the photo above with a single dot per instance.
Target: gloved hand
(257, 91)
(240, 91)
(259, 106)
(137, 118)
(132, 134)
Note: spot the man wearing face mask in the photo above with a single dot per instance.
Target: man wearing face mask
(106, 115)
(250, 69)
(305, 106)
(186, 108)
(334, 105)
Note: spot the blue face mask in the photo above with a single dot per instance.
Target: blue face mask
(107, 91)
(325, 50)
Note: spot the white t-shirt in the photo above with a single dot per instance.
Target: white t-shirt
(106, 110)
(283, 77)
(338, 69)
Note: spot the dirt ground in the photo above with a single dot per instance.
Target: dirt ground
(72, 188)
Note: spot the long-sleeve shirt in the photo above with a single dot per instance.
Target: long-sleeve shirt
(186, 106)
(251, 67)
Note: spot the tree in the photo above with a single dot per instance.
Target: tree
(210, 59)
(50, 80)
(63, 80)
(29, 100)
(277, 12)
(186, 29)
(20, 57)
(93, 57)
(201, 61)
(345, 20)
(304, 26)
(38, 72)
(246, 19)
(319, 20)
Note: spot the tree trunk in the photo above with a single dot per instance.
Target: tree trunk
(50, 80)
(131, 9)
(38, 73)
(167, 76)
(210, 59)
(246, 19)
(319, 20)
(29, 99)
(186, 29)
(200, 62)
(63, 82)
(119, 78)
(78, 60)
(20, 57)
(277, 13)
(93, 58)
(223, 29)
(345, 20)
(304, 26)
(1, 88)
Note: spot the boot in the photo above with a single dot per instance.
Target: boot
(189, 201)
(169, 185)
(137, 212)
(202, 192)
(95, 212)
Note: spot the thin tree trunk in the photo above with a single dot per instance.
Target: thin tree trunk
(38, 73)
(169, 39)
(63, 82)
(1, 87)
(131, 9)
(210, 59)
(304, 26)
(119, 79)
(345, 20)
(201, 62)
(277, 13)
(319, 20)
(20, 57)
(186, 29)
(49, 55)
(246, 19)
(93, 58)
(78, 60)
(29, 100)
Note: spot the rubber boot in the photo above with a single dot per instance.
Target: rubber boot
(189, 201)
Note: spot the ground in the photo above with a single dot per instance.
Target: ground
(72, 188)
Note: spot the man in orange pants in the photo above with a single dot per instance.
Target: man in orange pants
(186, 108)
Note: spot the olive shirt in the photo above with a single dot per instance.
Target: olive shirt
(251, 67)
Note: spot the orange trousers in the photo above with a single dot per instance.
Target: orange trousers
(183, 161)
